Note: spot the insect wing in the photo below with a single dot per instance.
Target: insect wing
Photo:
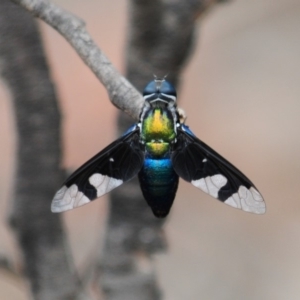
(197, 163)
(117, 163)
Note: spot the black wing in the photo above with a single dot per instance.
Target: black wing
(197, 163)
(117, 163)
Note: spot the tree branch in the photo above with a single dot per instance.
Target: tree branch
(121, 93)
(40, 234)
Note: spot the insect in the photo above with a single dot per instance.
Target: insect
(160, 148)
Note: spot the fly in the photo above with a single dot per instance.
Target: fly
(160, 148)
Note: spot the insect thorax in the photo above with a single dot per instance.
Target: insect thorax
(158, 131)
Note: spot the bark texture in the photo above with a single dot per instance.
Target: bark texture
(121, 93)
(46, 254)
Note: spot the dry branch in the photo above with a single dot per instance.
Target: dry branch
(40, 234)
(121, 93)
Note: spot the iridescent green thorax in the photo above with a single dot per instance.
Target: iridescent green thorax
(158, 131)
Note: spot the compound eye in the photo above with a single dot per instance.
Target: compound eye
(168, 89)
(150, 88)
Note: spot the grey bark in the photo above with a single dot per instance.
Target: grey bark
(121, 93)
(46, 254)
(161, 36)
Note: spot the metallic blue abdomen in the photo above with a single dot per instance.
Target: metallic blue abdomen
(159, 184)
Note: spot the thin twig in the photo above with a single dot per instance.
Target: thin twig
(121, 93)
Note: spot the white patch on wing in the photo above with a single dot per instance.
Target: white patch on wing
(68, 198)
(247, 200)
(219, 180)
(234, 201)
(211, 184)
(200, 183)
(104, 184)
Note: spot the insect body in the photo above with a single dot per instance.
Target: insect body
(157, 177)
(159, 149)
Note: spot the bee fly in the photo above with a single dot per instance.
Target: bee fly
(159, 149)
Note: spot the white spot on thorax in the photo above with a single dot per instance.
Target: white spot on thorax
(111, 159)
(204, 160)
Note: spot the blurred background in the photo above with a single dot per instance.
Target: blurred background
(241, 93)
